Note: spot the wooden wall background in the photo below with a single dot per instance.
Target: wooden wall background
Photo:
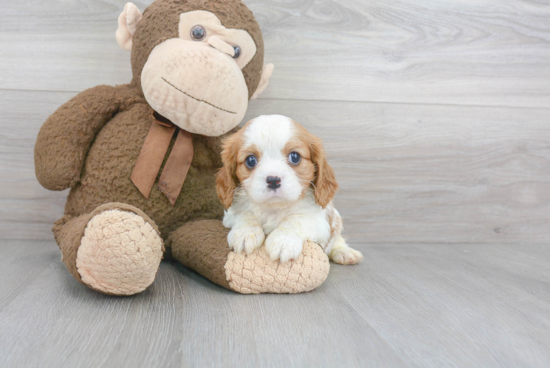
(436, 115)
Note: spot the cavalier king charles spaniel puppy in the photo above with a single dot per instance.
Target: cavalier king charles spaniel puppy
(276, 181)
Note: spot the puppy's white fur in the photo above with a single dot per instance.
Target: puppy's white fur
(288, 215)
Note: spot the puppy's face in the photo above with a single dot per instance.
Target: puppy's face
(274, 160)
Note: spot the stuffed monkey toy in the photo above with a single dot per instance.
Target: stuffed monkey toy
(141, 158)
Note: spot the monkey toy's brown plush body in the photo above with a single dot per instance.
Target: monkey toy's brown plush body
(141, 158)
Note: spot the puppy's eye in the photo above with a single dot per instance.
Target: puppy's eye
(294, 158)
(237, 52)
(251, 161)
(198, 33)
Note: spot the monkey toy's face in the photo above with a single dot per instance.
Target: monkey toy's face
(196, 79)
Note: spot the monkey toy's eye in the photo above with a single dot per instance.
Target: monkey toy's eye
(237, 52)
(294, 158)
(198, 33)
(251, 161)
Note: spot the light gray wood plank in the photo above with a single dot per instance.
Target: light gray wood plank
(465, 305)
(182, 320)
(408, 173)
(61, 45)
(23, 113)
(461, 52)
(27, 209)
(450, 52)
(406, 305)
(17, 257)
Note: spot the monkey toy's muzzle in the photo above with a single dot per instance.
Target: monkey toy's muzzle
(198, 87)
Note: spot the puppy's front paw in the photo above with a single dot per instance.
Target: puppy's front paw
(346, 256)
(246, 238)
(283, 245)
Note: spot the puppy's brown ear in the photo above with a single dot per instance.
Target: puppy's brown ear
(325, 184)
(226, 178)
(225, 187)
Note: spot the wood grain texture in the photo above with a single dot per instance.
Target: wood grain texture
(408, 173)
(435, 117)
(27, 209)
(461, 52)
(406, 305)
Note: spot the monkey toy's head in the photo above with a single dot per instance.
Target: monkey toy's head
(198, 62)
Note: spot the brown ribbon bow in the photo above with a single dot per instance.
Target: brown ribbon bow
(152, 154)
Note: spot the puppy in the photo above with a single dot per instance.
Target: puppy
(276, 181)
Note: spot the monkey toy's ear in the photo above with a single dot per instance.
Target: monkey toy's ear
(264, 80)
(127, 24)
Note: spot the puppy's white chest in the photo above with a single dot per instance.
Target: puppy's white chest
(270, 220)
(310, 225)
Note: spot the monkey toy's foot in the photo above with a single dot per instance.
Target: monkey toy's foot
(119, 253)
(202, 246)
(115, 250)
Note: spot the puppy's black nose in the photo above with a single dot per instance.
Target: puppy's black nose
(273, 182)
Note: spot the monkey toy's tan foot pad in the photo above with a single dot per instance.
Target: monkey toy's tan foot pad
(257, 273)
(115, 249)
(119, 253)
(202, 246)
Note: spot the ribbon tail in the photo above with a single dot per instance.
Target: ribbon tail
(176, 167)
(151, 156)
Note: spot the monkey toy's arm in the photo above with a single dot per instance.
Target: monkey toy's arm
(65, 138)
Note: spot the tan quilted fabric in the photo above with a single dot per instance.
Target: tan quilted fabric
(256, 273)
(119, 253)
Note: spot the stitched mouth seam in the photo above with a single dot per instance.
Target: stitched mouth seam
(196, 99)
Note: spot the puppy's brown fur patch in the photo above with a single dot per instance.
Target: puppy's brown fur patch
(244, 172)
(299, 143)
(324, 183)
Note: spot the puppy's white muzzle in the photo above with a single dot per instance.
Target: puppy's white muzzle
(273, 181)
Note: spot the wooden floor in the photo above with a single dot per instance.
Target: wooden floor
(436, 118)
(448, 305)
